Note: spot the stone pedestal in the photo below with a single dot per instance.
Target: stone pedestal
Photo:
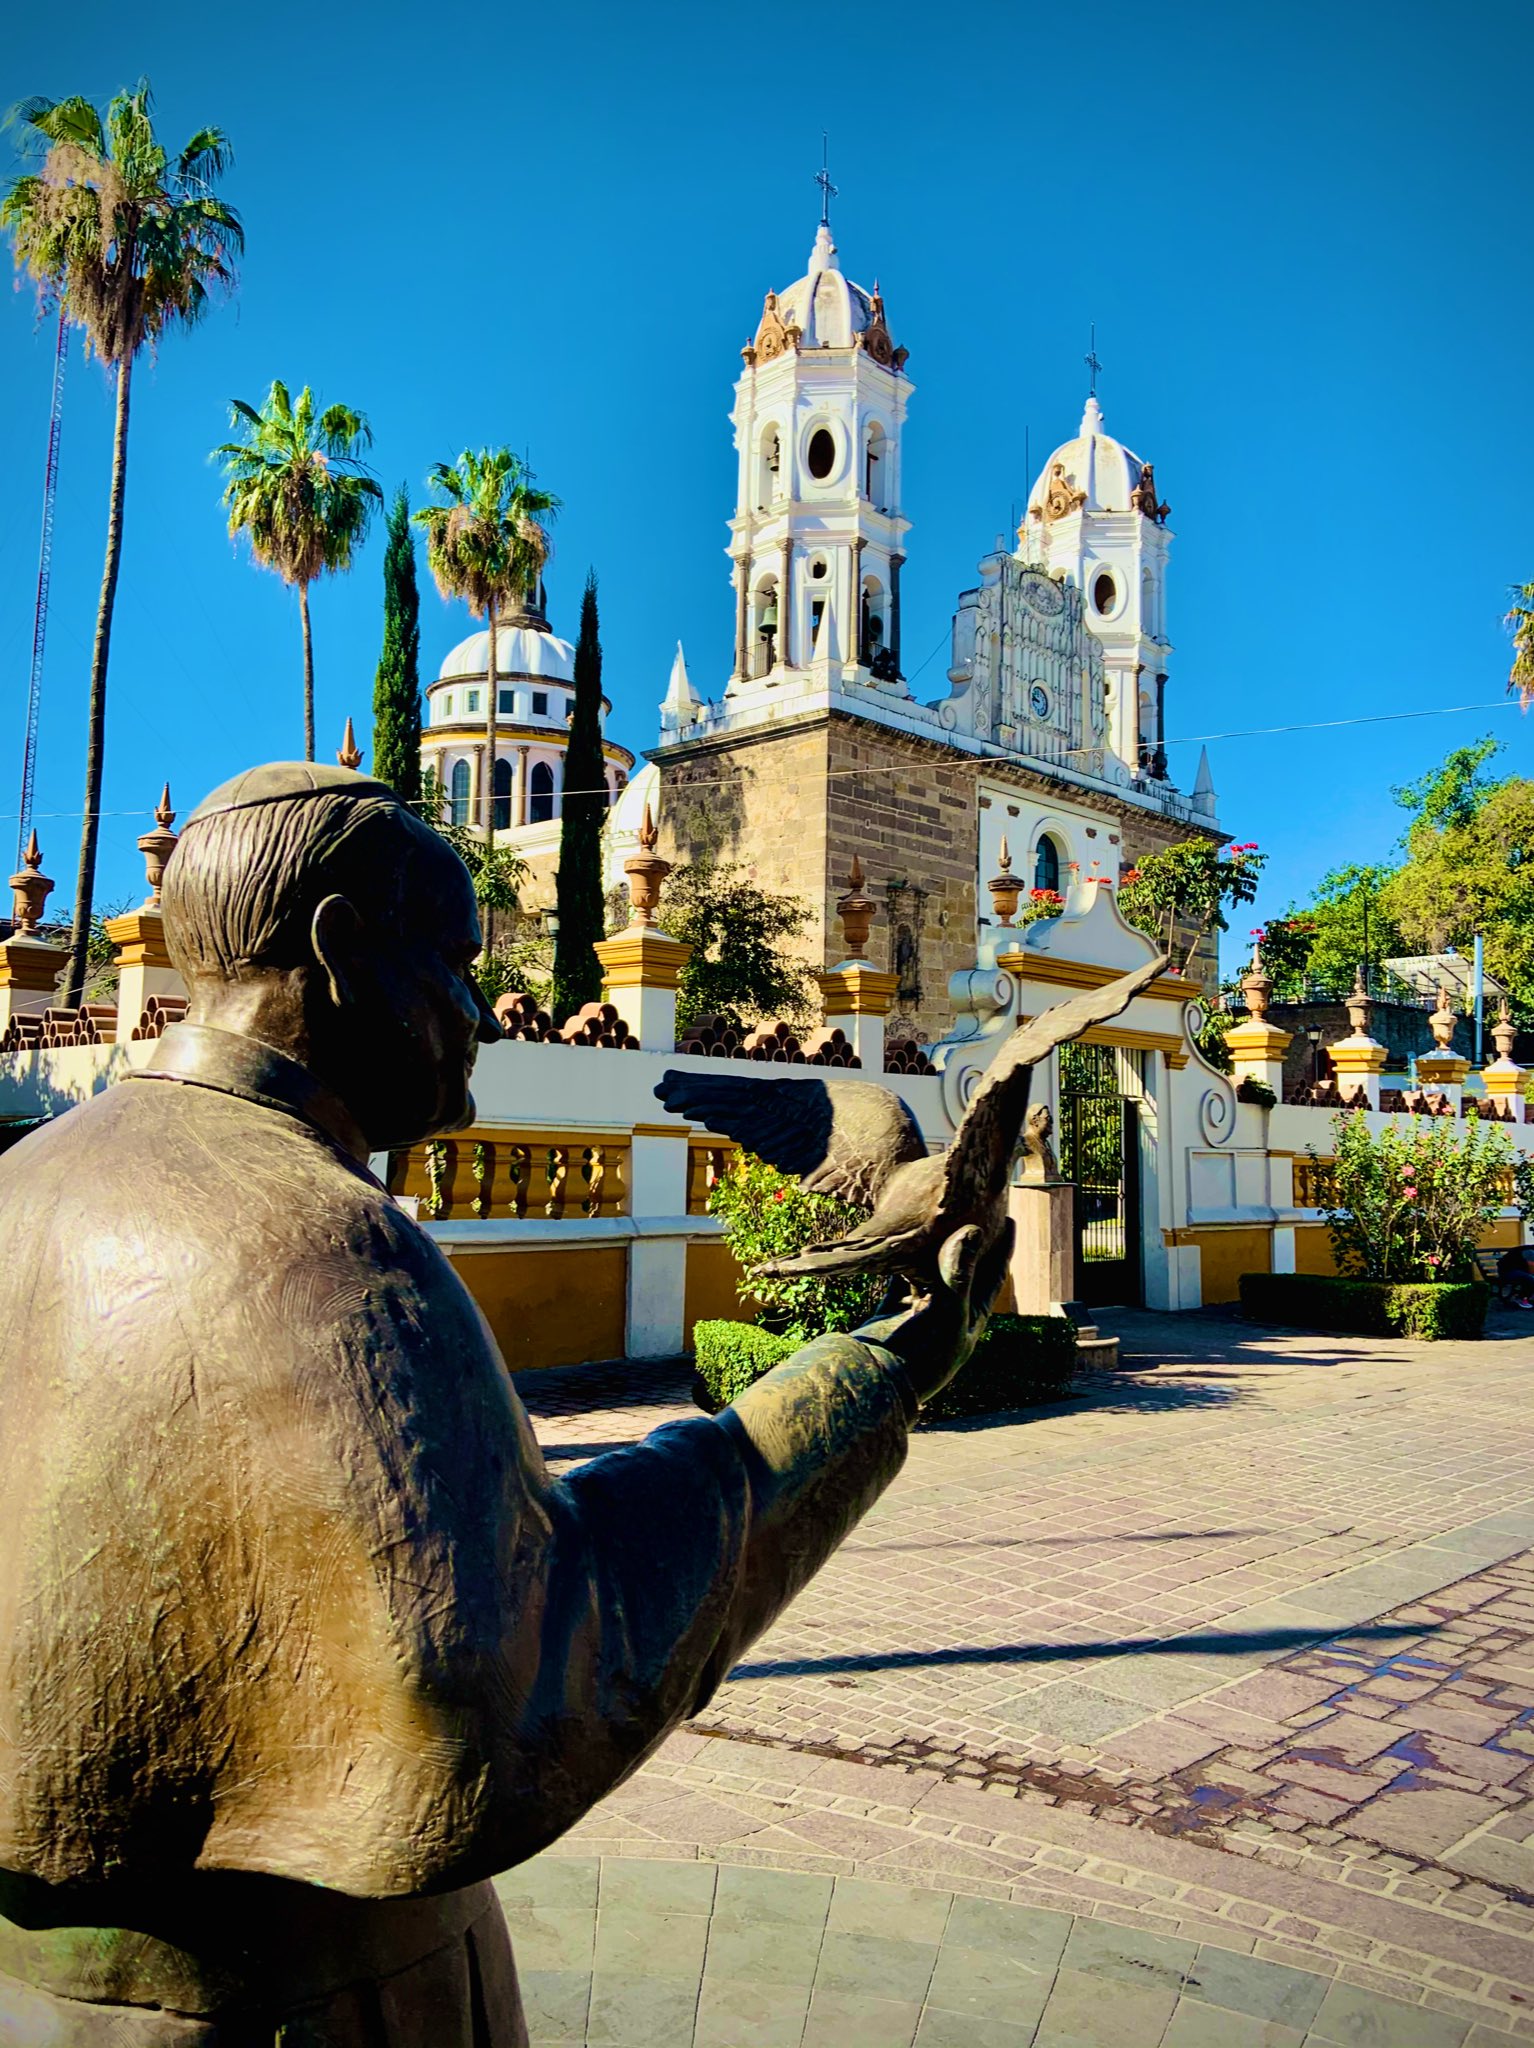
(1042, 1275)
(29, 968)
(1445, 1071)
(1506, 1085)
(857, 997)
(657, 1270)
(1257, 1051)
(143, 965)
(640, 968)
(1358, 1063)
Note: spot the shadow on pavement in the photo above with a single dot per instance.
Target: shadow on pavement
(1274, 1642)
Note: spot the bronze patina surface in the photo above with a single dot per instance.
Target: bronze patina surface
(299, 1640)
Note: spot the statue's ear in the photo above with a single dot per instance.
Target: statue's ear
(334, 934)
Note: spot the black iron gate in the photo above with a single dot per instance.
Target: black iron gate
(1100, 1152)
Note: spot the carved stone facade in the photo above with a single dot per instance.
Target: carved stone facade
(1027, 673)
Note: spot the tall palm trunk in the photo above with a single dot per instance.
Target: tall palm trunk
(303, 613)
(95, 741)
(492, 695)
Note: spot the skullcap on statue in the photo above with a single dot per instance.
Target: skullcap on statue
(279, 781)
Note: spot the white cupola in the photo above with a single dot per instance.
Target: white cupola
(817, 540)
(1094, 516)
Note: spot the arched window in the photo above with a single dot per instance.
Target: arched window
(768, 464)
(1046, 865)
(503, 795)
(459, 793)
(873, 465)
(540, 804)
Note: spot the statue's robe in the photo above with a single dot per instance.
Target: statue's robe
(299, 1640)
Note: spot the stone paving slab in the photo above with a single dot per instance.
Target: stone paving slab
(1239, 1651)
(694, 1955)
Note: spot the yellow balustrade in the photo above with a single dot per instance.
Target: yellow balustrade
(481, 1175)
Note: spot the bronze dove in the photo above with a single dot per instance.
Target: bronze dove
(859, 1141)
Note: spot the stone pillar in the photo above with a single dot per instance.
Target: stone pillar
(641, 966)
(477, 802)
(857, 998)
(853, 649)
(1505, 1081)
(655, 1312)
(143, 965)
(519, 794)
(1257, 1047)
(1358, 1060)
(742, 619)
(1443, 1068)
(895, 562)
(29, 963)
(786, 607)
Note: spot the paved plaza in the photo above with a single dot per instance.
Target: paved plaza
(1199, 1709)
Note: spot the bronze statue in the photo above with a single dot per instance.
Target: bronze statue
(299, 1641)
(924, 1207)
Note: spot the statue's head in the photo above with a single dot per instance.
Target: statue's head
(306, 907)
(1041, 1120)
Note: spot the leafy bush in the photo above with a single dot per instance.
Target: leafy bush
(1021, 1360)
(1433, 1310)
(1184, 889)
(767, 1215)
(1250, 1089)
(730, 1356)
(1412, 1203)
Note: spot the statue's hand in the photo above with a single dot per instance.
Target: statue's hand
(932, 1329)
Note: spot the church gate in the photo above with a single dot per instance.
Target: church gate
(1100, 1091)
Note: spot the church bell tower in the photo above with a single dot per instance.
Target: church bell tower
(817, 540)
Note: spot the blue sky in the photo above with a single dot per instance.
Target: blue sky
(1301, 232)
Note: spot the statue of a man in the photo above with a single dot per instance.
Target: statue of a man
(299, 1641)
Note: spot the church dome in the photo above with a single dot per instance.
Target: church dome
(520, 651)
(827, 310)
(1092, 463)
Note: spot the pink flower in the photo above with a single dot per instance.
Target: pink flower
(1409, 1194)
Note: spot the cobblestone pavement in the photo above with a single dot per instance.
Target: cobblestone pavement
(1238, 1649)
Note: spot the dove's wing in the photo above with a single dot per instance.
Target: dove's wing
(842, 1138)
(983, 1145)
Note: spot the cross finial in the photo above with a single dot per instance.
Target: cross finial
(1090, 359)
(823, 180)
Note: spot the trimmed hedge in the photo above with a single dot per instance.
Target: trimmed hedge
(1431, 1309)
(1019, 1361)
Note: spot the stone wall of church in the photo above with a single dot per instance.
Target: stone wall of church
(793, 805)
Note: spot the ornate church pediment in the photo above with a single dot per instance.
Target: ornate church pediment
(773, 335)
(1062, 497)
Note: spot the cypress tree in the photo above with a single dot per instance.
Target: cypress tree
(397, 687)
(577, 970)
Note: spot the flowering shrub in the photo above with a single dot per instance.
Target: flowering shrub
(1411, 1204)
(1038, 904)
(767, 1215)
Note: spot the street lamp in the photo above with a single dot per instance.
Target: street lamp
(1314, 1035)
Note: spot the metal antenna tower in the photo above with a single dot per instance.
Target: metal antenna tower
(44, 572)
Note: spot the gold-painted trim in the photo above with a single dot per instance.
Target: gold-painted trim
(642, 957)
(857, 991)
(1168, 988)
(1119, 1035)
(662, 1130)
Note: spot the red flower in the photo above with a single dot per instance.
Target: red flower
(778, 1194)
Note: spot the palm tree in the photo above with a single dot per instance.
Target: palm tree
(1520, 623)
(128, 242)
(487, 543)
(297, 490)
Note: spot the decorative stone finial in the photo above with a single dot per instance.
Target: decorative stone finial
(646, 871)
(30, 888)
(1257, 987)
(157, 848)
(1360, 1007)
(857, 912)
(1503, 1032)
(1441, 1023)
(350, 755)
(1005, 887)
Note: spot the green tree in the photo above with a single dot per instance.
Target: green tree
(397, 685)
(1469, 869)
(583, 812)
(129, 242)
(296, 488)
(1179, 894)
(1348, 925)
(487, 543)
(739, 968)
(1520, 624)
